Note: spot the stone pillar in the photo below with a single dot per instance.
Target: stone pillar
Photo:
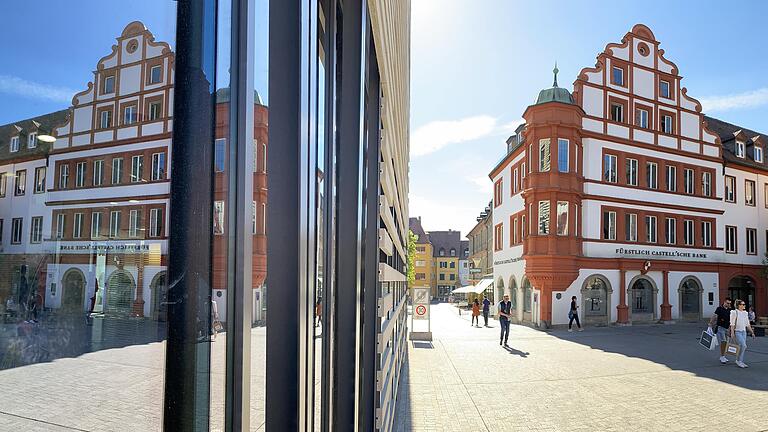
(666, 308)
(622, 309)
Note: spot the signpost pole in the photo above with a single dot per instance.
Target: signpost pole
(421, 300)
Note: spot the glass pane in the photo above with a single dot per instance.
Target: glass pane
(82, 282)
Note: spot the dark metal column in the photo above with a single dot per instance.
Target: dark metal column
(187, 371)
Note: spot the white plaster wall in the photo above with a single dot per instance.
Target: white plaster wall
(690, 125)
(110, 61)
(130, 79)
(129, 132)
(689, 146)
(643, 136)
(687, 103)
(81, 140)
(743, 216)
(595, 77)
(561, 307)
(667, 141)
(665, 66)
(593, 101)
(83, 119)
(618, 131)
(104, 136)
(643, 60)
(592, 125)
(154, 51)
(152, 128)
(26, 206)
(621, 52)
(643, 82)
(711, 150)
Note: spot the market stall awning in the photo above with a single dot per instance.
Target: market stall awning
(476, 289)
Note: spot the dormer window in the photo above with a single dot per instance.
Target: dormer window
(14, 144)
(32, 140)
(617, 76)
(758, 154)
(739, 149)
(665, 89)
(109, 85)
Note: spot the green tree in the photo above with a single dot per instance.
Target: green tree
(412, 239)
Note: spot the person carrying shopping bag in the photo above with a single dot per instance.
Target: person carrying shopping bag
(739, 326)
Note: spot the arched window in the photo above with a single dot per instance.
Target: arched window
(527, 294)
(595, 295)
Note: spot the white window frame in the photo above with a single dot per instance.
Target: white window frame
(610, 168)
(621, 75)
(80, 168)
(40, 182)
(36, 230)
(32, 140)
(77, 225)
(155, 216)
(545, 217)
(758, 154)
(749, 193)
(643, 118)
(545, 155)
(751, 241)
(137, 167)
(706, 234)
(117, 170)
(706, 183)
(154, 113)
(670, 231)
(669, 89)
(688, 181)
(651, 229)
(60, 225)
(105, 119)
(107, 80)
(133, 223)
(98, 172)
(611, 222)
(114, 224)
(688, 232)
(130, 115)
(730, 192)
(619, 118)
(652, 175)
(20, 183)
(64, 176)
(17, 230)
(3, 184)
(632, 167)
(158, 169)
(159, 75)
(95, 225)
(739, 149)
(630, 220)
(671, 186)
(14, 146)
(731, 245)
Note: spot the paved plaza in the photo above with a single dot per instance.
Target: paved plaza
(636, 378)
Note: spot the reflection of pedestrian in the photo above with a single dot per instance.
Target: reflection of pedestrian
(573, 314)
(505, 310)
(215, 323)
(475, 313)
(32, 308)
(318, 311)
(486, 309)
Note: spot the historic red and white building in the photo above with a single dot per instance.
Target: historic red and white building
(625, 195)
(94, 212)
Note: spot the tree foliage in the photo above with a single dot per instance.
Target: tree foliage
(412, 239)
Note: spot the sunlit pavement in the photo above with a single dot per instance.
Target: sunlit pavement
(637, 378)
(117, 389)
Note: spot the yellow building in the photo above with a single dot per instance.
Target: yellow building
(446, 252)
(423, 264)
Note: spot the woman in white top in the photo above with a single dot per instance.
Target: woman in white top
(739, 326)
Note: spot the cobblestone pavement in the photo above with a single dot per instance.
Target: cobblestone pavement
(114, 389)
(636, 378)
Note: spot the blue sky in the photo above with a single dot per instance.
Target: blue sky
(477, 64)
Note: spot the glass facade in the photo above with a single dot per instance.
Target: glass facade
(134, 295)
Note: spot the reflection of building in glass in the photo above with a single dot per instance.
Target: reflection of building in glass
(626, 196)
(86, 217)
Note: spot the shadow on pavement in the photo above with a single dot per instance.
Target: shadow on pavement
(677, 347)
(427, 345)
(516, 352)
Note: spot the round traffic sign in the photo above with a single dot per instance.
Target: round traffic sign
(421, 310)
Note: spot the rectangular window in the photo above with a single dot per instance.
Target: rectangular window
(688, 180)
(155, 222)
(631, 170)
(105, 119)
(515, 182)
(497, 192)
(563, 147)
(253, 217)
(95, 225)
(671, 178)
(652, 175)
(442, 276)
(21, 183)
(16, 230)
(562, 218)
(80, 174)
(751, 241)
(544, 155)
(63, 176)
(641, 118)
(543, 217)
(522, 174)
(218, 217)
(523, 228)
(117, 170)
(77, 226)
(14, 144)
(498, 237)
(666, 123)
(630, 227)
(133, 223)
(98, 172)
(730, 239)
(36, 230)
(514, 232)
(4, 184)
(130, 115)
(155, 74)
(617, 112)
(617, 77)
(706, 184)
(730, 189)
(220, 146)
(758, 154)
(154, 110)
(739, 149)
(114, 224)
(264, 218)
(39, 179)
(609, 225)
(688, 232)
(749, 193)
(670, 232)
(32, 140)
(158, 166)
(706, 234)
(109, 84)
(60, 227)
(2, 227)
(664, 89)
(650, 229)
(137, 168)
(609, 168)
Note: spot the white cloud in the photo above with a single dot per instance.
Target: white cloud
(509, 128)
(443, 215)
(435, 135)
(22, 87)
(750, 99)
(483, 184)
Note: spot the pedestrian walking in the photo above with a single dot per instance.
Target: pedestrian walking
(486, 309)
(216, 325)
(476, 313)
(720, 323)
(505, 311)
(573, 314)
(318, 311)
(752, 315)
(739, 326)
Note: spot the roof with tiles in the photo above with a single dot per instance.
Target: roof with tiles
(728, 133)
(445, 241)
(40, 124)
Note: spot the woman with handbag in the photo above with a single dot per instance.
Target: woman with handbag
(739, 326)
(573, 314)
(476, 313)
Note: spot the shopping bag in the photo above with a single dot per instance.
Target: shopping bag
(707, 340)
(732, 349)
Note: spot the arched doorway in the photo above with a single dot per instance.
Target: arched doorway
(742, 287)
(642, 294)
(120, 289)
(73, 295)
(596, 299)
(159, 289)
(690, 299)
(527, 299)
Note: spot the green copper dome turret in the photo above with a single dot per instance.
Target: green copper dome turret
(554, 94)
